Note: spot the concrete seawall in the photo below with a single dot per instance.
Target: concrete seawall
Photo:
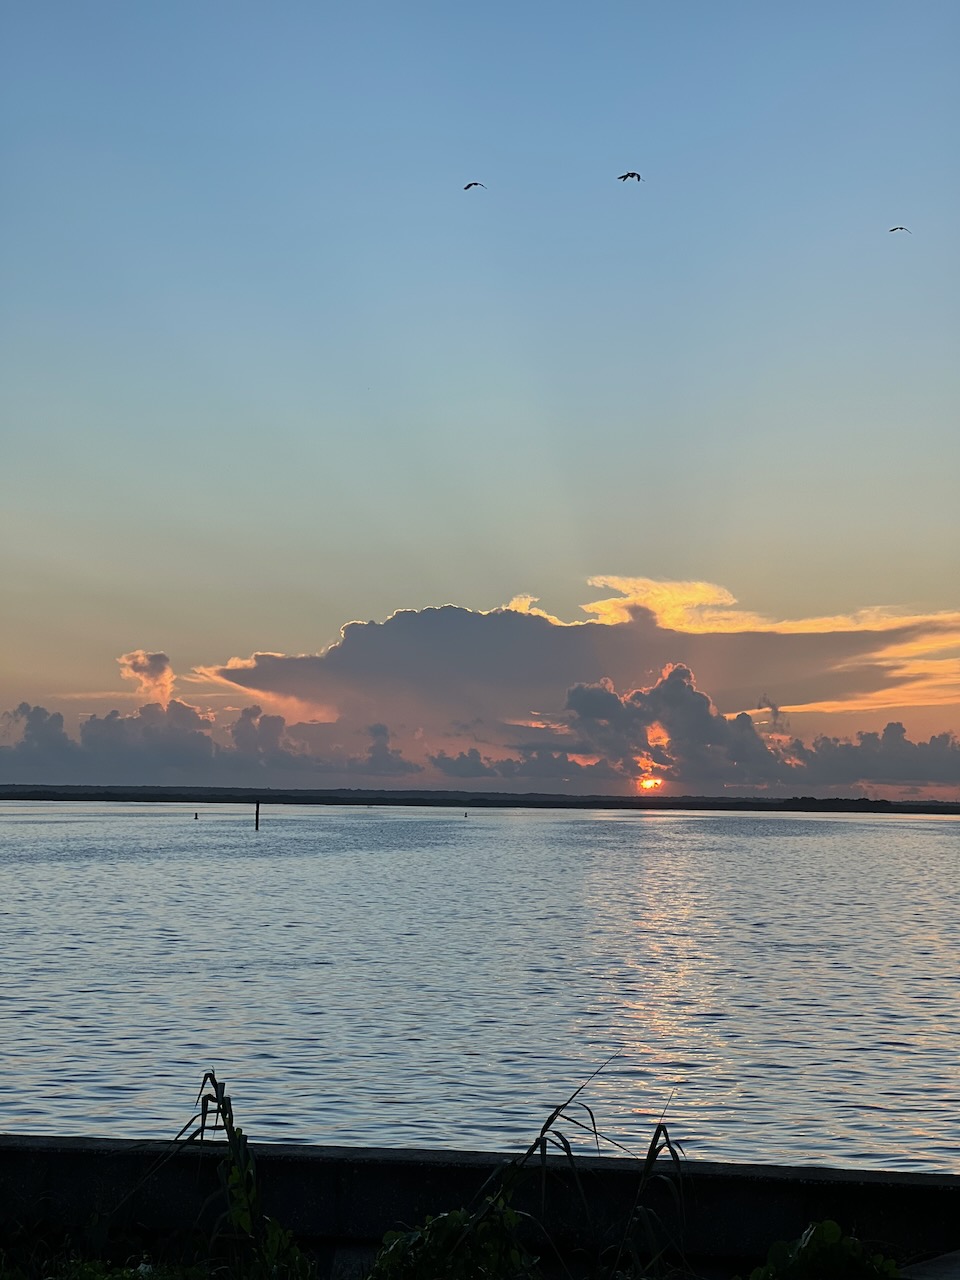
(339, 1201)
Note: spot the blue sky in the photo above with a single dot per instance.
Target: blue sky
(268, 368)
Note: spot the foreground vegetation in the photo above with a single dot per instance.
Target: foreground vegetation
(489, 1239)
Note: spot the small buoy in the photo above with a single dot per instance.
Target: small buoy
(196, 816)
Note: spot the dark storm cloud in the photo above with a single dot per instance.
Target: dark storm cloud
(505, 664)
(510, 691)
(467, 664)
(701, 749)
(694, 742)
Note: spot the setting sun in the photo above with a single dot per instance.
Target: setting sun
(651, 784)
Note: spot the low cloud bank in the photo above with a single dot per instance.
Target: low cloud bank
(178, 745)
(602, 742)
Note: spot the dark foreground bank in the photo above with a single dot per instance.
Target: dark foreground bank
(719, 1219)
(472, 800)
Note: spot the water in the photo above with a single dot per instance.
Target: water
(786, 988)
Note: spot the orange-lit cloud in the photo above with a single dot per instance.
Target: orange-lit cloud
(289, 705)
(153, 673)
(681, 606)
(705, 608)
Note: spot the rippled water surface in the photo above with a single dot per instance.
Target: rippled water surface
(786, 988)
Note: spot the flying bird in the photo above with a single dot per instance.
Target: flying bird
(624, 176)
(473, 184)
(906, 229)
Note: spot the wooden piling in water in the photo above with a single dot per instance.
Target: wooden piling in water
(256, 817)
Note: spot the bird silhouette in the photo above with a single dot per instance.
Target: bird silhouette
(624, 176)
(473, 184)
(906, 229)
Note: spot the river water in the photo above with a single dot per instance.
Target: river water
(781, 989)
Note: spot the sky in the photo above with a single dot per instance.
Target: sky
(319, 470)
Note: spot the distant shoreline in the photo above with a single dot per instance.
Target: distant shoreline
(468, 800)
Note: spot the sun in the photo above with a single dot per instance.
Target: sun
(651, 784)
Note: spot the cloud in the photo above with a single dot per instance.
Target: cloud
(680, 606)
(698, 749)
(382, 760)
(39, 738)
(607, 743)
(153, 673)
(255, 735)
(178, 745)
(514, 663)
(662, 680)
(553, 765)
(888, 758)
(465, 764)
(156, 740)
(487, 692)
(777, 721)
(557, 767)
(673, 731)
